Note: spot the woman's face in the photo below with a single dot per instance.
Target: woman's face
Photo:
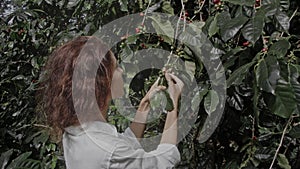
(117, 84)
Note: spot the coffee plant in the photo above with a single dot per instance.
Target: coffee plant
(257, 41)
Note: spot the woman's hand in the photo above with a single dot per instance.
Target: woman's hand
(145, 102)
(174, 89)
(170, 130)
(139, 123)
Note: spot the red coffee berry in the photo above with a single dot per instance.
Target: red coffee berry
(137, 30)
(160, 39)
(216, 1)
(246, 43)
(21, 31)
(143, 46)
(186, 14)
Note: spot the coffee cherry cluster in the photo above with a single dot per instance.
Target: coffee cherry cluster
(143, 46)
(246, 44)
(160, 39)
(21, 31)
(140, 29)
(122, 45)
(216, 1)
(218, 5)
(257, 3)
(180, 52)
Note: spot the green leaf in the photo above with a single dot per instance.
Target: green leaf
(190, 68)
(196, 26)
(256, 98)
(123, 4)
(262, 156)
(283, 161)
(283, 20)
(222, 18)
(132, 39)
(159, 99)
(72, 3)
(198, 98)
(48, 2)
(253, 29)
(42, 138)
(17, 161)
(231, 56)
(167, 8)
(294, 71)
(211, 101)
(163, 28)
(285, 4)
(262, 75)
(242, 2)
(280, 48)
(285, 103)
(230, 27)
(18, 77)
(207, 24)
(270, 6)
(213, 27)
(267, 74)
(295, 132)
(5, 158)
(126, 54)
(238, 75)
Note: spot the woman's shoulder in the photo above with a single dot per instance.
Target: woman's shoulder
(92, 128)
(92, 134)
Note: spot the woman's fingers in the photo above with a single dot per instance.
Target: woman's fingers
(155, 88)
(176, 80)
(155, 84)
(171, 78)
(168, 77)
(159, 88)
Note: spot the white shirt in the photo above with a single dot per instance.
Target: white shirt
(98, 145)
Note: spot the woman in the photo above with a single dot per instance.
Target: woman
(89, 142)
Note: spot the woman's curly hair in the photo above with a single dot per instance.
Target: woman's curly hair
(55, 94)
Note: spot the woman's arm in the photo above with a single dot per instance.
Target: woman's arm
(170, 129)
(138, 125)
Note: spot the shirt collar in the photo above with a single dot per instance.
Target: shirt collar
(92, 127)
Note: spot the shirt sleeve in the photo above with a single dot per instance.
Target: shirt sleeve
(166, 156)
(129, 136)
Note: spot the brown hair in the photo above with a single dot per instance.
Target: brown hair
(56, 88)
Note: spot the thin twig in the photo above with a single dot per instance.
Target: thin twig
(296, 124)
(253, 127)
(32, 125)
(294, 14)
(200, 8)
(176, 31)
(184, 17)
(281, 141)
(177, 26)
(41, 125)
(146, 11)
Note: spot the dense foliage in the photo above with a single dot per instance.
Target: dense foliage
(259, 45)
